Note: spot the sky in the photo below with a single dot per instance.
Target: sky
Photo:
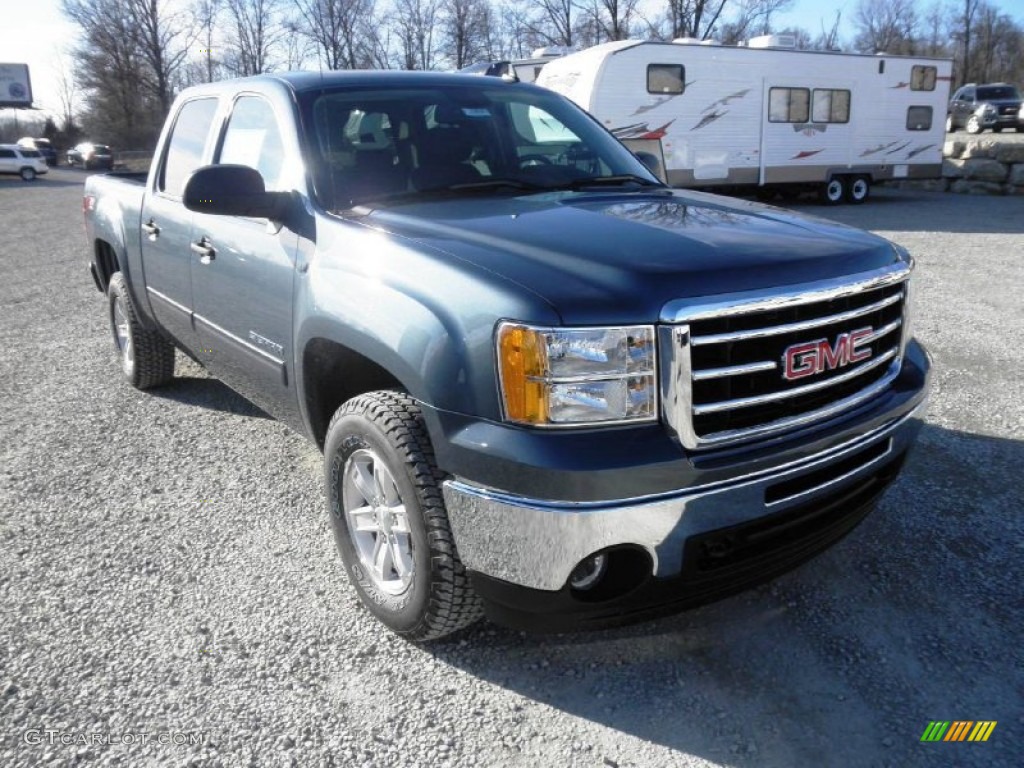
(37, 37)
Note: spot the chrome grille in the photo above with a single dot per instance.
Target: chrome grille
(723, 378)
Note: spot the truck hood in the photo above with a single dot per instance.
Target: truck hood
(614, 257)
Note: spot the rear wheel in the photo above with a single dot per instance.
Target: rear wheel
(147, 358)
(858, 190)
(28, 174)
(997, 129)
(389, 518)
(950, 128)
(833, 191)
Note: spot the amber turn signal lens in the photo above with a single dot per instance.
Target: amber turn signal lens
(522, 358)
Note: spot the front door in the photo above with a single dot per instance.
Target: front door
(243, 271)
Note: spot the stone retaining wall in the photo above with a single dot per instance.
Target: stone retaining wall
(982, 166)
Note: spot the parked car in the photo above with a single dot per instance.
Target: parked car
(43, 145)
(977, 107)
(27, 163)
(89, 156)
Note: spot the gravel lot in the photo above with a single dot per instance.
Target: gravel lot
(167, 573)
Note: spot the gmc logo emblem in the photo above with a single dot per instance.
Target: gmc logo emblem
(812, 357)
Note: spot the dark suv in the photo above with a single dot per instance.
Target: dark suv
(977, 107)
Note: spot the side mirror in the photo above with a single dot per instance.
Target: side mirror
(233, 190)
(651, 161)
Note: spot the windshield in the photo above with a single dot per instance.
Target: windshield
(992, 92)
(415, 142)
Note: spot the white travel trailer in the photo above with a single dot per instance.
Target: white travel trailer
(760, 114)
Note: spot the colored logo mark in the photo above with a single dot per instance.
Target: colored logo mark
(958, 730)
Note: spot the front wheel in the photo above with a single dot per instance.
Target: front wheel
(28, 174)
(146, 357)
(974, 124)
(389, 518)
(997, 129)
(833, 191)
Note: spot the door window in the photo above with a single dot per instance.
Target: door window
(254, 139)
(187, 145)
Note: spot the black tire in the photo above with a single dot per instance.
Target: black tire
(950, 125)
(997, 129)
(857, 189)
(1019, 129)
(386, 426)
(147, 358)
(833, 191)
(27, 174)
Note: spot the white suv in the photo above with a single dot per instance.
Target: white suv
(27, 163)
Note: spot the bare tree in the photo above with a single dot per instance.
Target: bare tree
(612, 19)
(970, 8)
(555, 21)
(67, 92)
(110, 70)
(694, 18)
(888, 26)
(161, 39)
(253, 37)
(207, 15)
(751, 18)
(828, 40)
(343, 31)
(464, 30)
(414, 24)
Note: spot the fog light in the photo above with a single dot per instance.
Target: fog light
(589, 572)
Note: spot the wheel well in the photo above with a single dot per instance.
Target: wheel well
(332, 374)
(106, 263)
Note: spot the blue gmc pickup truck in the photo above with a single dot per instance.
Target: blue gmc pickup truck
(548, 388)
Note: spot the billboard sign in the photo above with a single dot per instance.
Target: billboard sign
(15, 87)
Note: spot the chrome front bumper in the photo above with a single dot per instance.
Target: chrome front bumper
(536, 544)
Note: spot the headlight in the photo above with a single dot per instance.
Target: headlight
(577, 376)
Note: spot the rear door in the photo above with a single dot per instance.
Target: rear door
(166, 224)
(242, 287)
(8, 160)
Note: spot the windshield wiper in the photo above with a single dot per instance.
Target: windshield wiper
(487, 184)
(453, 190)
(619, 180)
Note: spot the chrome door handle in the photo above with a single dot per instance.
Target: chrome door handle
(205, 249)
(151, 229)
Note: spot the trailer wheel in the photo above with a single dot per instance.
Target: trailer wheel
(858, 189)
(973, 124)
(833, 191)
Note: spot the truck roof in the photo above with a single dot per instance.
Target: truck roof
(311, 81)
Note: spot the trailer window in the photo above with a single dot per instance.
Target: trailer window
(830, 106)
(922, 78)
(919, 118)
(788, 105)
(666, 78)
